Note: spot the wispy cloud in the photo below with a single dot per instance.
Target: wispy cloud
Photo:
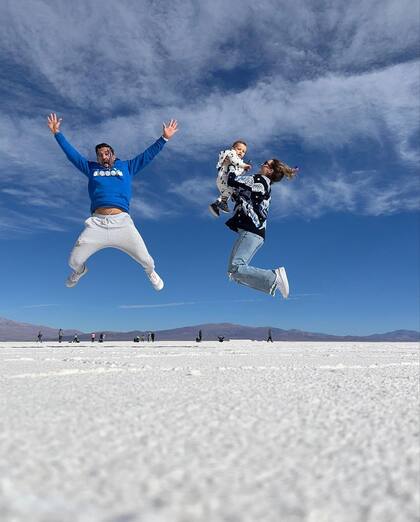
(33, 196)
(146, 206)
(151, 44)
(299, 297)
(39, 306)
(360, 193)
(161, 305)
(25, 223)
(197, 190)
(326, 78)
(184, 303)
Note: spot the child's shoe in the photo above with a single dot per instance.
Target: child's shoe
(214, 209)
(223, 206)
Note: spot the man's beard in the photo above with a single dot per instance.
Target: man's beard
(108, 164)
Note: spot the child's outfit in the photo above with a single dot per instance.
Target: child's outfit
(229, 163)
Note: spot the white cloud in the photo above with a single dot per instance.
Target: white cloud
(39, 306)
(26, 223)
(325, 78)
(357, 192)
(161, 305)
(354, 192)
(149, 208)
(33, 196)
(376, 31)
(323, 113)
(98, 55)
(184, 303)
(196, 189)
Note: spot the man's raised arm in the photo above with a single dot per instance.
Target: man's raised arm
(72, 154)
(139, 162)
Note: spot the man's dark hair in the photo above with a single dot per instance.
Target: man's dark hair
(102, 145)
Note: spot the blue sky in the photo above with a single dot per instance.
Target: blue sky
(330, 86)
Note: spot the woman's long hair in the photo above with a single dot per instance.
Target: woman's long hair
(280, 170)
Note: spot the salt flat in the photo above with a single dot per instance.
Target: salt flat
(237, 431)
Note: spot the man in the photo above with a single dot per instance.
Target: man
(110, 224)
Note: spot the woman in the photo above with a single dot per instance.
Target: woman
(252, 196)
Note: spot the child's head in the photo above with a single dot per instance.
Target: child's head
(240, 147)
(276, 170)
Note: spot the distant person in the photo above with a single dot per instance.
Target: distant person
(230, 161)
(110, 225)
(76, 339)
(220, 338)
(199, 337)
(269, 338)
(142, 338)
(92, 337)
(60, 335)
(136, 339)
(152, 337)
(252, 200)
(148, 337)
(39, 337)
(101, 337)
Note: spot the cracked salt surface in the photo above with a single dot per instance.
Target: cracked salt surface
(236, 432)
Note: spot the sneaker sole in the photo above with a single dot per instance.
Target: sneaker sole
(159, 288)
(284, 288)
(213, 212)
(159, 285)
(71, 285)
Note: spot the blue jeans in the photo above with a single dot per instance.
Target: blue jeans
(243, 251)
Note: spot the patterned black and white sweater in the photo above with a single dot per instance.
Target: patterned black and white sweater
(252, 199)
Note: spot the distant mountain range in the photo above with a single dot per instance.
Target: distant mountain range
(16, 331)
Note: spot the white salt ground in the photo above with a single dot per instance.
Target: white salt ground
(183, 432)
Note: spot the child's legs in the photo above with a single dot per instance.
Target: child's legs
(239, 270)
(92, 239)
(125, 236)
(224, 189)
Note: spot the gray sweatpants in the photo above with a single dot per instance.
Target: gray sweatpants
(117, 231)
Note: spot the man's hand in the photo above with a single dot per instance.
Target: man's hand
(170, 129)
(54, 123)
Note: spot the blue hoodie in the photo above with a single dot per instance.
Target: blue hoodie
(110, 187)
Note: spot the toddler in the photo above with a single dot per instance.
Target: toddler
(230, 161)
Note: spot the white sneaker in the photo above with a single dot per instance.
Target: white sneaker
(281, 283)
(74, 277)
(156, 281)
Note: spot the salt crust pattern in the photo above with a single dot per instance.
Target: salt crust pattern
(183, 432)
